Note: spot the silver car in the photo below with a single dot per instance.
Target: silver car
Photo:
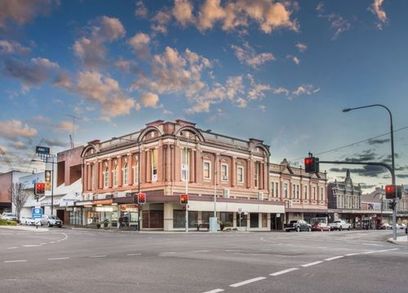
(51, 221)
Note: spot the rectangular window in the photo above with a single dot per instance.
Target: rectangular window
(277, 189)
(185, 164)
(285, 190)
(272, 189)
(106, 176)
(240, 174)
(207, 170)
(294, 191)
(257, 173)
(115, 173)
(224, 172)
(314, 193)
(153, 157)
(306, 192)
(136, 170)
(125, 173)
(297, 192)
(321, 194)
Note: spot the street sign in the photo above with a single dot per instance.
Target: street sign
(37, 213)
(42, 150)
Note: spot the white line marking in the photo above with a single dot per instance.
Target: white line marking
(17, 260)
(247, 282)
(13, 247)
(200, 251)
(352, 254)
(214, 291)
(334, 257)
(58, 258)
(31, 245)
(133, 254)
(368, 252)
(283, 272)
(311, 264)
(385, 250)
(97, 256)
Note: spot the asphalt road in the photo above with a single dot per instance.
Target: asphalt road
(64, 260)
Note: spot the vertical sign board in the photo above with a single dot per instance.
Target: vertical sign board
(37, 213)
(47, 180)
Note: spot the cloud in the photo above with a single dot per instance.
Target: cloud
(247, 55)
(141, 9)
(294, 59)
(22, 11)
(402, 176)
(364, 156)
(301, 47)
(267, 14)
(35, 72)
(63, 81)
(378, 141)
(149, 100)
(256, 90)
(337, 22)
(14, 129)
(369, 171)
(183, 11)
(304, 89)
(19, 145)
(66, 126)
(140, 44)
(12, 47)
(90, 49)
(160, 21)
(55, 143)
(376, 8)
(174, 72)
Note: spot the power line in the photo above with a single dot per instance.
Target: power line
(354, 143)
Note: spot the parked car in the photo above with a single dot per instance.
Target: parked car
(385, 226)
(9, 217)
(27, 221)
(340, 225)
(320, 227)
(51, 221)
(298, 225)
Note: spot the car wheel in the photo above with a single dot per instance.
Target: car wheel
(310, 229)
(349, 228)
(341, 228)
(49, 225)
(298, 229)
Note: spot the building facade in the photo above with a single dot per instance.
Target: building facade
(7, 180)
(166, 159)
(304, 195)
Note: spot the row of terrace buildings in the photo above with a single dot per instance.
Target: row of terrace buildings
(97, 184)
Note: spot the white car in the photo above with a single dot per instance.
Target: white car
(340, 225)
(27, 221)
(9, 216)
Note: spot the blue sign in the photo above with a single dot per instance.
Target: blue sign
(37, 213)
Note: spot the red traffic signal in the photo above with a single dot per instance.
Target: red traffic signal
(39, 188)
(141, 198)
(311, 164)
(184, 199)
(393, 191)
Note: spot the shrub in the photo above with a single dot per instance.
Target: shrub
(7, 223)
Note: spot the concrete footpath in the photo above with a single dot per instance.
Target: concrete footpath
(400, 240)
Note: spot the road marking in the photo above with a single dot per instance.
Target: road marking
(31, 245)
(311, 264)
(369, 252)
(247, 282)
(232, 250)
(13, 247)
(283, 272)
(97, 256)
(133, 254)
(352, 254)
(385, 250)
(334, 257)
(17, 260)
(51, 242)
(214, 291)
(58, 258)
(200, 251)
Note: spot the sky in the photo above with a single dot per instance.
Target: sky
(280, 71)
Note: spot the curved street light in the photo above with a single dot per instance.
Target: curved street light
(394, 214)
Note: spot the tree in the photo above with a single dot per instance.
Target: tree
(19, 197)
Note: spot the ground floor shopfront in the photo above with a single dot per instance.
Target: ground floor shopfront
(166, 213)
(361, 219)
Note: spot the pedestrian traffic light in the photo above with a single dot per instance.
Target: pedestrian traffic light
(390, 191)
(141, 198)
(391, 205)
(39, 189)
(311, 164)
(184, 199)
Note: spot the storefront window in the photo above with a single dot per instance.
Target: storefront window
(254, 220)
(264, 220)
(179, 219)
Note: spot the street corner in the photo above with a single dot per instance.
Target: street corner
(25, 228)
(399, 240)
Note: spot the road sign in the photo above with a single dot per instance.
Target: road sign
(37, 213)
(42, 150)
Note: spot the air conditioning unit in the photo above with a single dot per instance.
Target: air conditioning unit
(260, 195)
(226, 193)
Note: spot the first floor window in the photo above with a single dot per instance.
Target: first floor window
(106, 176)
(240, 174)
(224, 172)
(206, 170)
(125, 173)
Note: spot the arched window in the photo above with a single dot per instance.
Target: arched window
(125, 172)
(105, 175)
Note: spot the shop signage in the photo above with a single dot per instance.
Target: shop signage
(102, 202)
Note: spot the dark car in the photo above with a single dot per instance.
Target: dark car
(297, 225)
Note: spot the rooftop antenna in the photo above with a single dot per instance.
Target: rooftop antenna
(72, 135)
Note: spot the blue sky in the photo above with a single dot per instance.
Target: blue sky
(280, 71)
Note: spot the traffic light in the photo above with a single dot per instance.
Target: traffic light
(184, 199)
(390, 191)
(141, 198)
(391, 205)
(39, 189)
(311, 164)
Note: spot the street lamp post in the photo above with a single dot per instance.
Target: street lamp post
(45, 159)
(394, 213)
